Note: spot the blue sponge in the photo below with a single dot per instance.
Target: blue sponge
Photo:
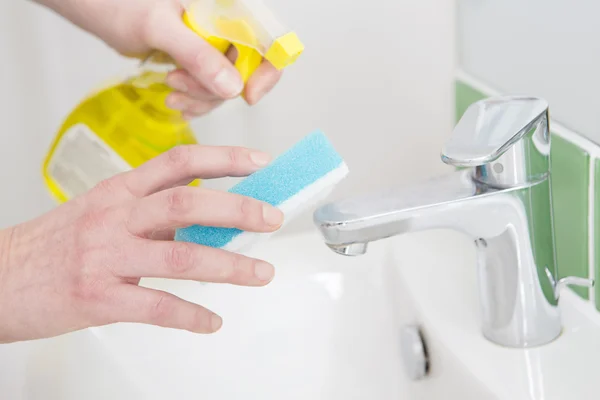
(294, 181)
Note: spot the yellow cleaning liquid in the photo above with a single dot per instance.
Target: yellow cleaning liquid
(114, 130)
(124, 125)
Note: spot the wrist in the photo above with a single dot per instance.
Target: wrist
(6, 245)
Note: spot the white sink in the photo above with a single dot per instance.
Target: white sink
(320, 330)
(441, 285)
(328, 327)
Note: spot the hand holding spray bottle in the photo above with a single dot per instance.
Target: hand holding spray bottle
(122, 126)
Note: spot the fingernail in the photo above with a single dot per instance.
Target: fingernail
(228, 83)
(264, 271)
(177, 84)
(216, 322)
(272, 215)
(259, 158)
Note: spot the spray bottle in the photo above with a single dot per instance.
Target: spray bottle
(122, 126)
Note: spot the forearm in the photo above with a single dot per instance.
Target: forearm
(66, 8)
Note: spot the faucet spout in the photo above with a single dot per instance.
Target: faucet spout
(368, 218)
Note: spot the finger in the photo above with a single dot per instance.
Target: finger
(189, 261)
(189, 162)
(189, 105)
(183, 82)
(231, 54)
(205, 63)
(261, 82)
(142, 305)
(184, 206)
(200, 109)
(162, 234)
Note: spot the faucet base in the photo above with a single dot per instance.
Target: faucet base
(524, 345)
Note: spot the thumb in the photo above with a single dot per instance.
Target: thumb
(194, 54)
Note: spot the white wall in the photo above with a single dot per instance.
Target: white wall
(548, 48)
(376, 77)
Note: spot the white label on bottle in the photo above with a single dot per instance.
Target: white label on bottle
(81, 160)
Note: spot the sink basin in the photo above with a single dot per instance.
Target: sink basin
(441, 285)
(328, 327)
(320, 330)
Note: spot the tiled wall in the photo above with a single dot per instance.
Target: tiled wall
(575, 176)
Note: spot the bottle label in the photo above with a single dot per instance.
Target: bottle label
(81, 160)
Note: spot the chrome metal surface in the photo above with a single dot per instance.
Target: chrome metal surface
(503, 202)
(354, 249)
(505, 139)
(572, 281)
(414, 355)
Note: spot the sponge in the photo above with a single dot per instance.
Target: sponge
(293, 182)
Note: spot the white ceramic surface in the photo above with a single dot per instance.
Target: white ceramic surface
(320, 330)
(441, 283)
(328, 327)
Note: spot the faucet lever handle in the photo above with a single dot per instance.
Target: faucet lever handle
(572, 281)
(490, 127)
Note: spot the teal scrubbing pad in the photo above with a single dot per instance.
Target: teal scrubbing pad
(294, 181)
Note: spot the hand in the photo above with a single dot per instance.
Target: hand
(79, 265)
(137, 27)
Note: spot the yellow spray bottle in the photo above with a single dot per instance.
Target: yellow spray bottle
(124, 125)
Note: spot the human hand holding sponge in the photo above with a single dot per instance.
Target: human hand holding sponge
(80, 264)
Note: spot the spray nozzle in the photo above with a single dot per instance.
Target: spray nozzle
(249, 26)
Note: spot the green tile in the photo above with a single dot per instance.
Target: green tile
(570, 177)
(597, 230)
(465, 95)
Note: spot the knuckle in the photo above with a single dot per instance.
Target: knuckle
(178, 158)
(161, 309)
(180, 201)
(92, 221)
(228, 270)
(247, 210)
(236, 156)
(239, 269)
(179, 258)
(107, 185)
(203, 63)
(88, 289)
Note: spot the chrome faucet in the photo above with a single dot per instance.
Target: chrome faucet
(502, 200)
